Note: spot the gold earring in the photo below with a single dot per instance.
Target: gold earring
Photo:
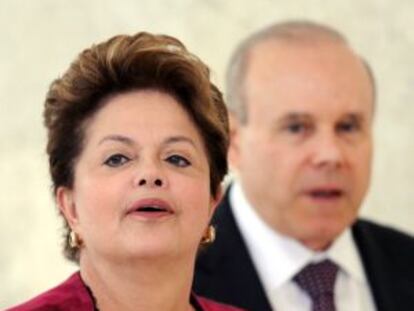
(74, 240)
(209, 235)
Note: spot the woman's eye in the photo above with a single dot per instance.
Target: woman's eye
(116, 160)
(178, 161)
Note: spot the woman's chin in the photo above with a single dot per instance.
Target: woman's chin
(157, 250)
(152, 247)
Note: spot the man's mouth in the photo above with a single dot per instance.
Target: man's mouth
(326, 193)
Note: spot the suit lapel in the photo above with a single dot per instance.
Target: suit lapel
(375, 266)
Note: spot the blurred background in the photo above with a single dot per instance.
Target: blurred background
(40, 38)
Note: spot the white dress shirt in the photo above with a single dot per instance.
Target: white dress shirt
(279, 258)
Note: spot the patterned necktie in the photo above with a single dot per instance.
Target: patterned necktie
(318, 281)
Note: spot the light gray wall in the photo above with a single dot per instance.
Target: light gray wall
(40, 38)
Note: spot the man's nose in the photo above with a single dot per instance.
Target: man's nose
(328, 151)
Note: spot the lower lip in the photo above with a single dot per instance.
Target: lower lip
(150, 215)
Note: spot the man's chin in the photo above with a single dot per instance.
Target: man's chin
(320, 236)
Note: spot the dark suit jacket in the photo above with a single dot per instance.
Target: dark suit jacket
(73, 295)
(225, 271)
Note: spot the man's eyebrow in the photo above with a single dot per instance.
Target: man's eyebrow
(294, 116)
(118, 138)
(355, 116)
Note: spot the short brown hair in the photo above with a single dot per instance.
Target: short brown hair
(121, 64)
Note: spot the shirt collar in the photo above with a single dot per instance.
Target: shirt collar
(277, 257)
(345, 254)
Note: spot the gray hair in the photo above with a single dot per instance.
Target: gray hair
(300, 31)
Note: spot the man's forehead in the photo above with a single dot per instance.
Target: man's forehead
(272, 66)
(274, 52)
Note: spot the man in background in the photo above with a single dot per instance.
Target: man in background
(288, 234)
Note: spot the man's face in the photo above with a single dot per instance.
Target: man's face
(304, 154)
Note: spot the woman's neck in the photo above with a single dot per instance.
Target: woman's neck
(149, 285)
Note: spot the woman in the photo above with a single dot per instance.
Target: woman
(137, 143)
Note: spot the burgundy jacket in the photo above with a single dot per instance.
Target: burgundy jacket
(72, 295)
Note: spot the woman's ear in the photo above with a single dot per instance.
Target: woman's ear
(216, 199)
(67, 206)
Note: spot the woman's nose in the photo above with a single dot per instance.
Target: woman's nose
(150, 173)
(155, 182)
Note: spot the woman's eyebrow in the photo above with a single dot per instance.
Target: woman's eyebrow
(179, 139)
(118, 138)
(129, 141)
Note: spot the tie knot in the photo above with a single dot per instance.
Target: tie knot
(318, 279)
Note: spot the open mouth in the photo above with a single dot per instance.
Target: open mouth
(150, 208)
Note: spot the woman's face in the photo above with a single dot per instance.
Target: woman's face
(141, 186)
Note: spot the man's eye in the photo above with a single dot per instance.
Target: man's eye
(347, 127)
(296, 127)
(116, 160)
(178, 161)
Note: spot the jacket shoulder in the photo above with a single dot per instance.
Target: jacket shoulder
(387, 255)
(391, 246)
(383, 237)
(71, 295)
(387, 250)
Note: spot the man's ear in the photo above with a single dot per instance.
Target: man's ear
(67, 206)
(234, 148)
